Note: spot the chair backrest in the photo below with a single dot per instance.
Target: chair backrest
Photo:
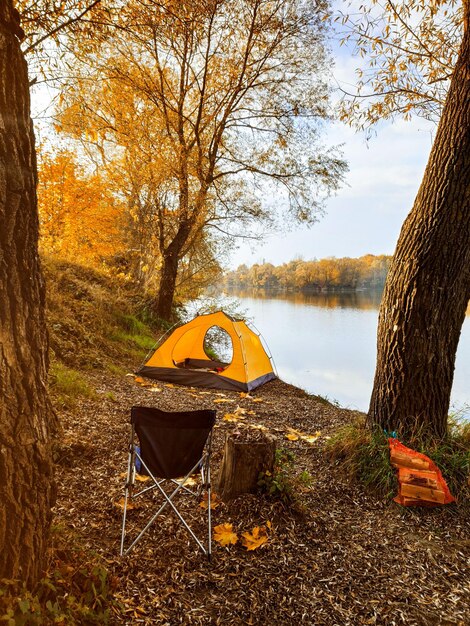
(171, 443)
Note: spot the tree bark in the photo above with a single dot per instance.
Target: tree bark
(428, 284)
(171, 257)
(244, 458)
(26, 480)
(167, 288)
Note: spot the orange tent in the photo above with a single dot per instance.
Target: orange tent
(182, 359)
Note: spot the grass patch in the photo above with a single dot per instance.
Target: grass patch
(143, 342)
(67, 385)
(117, 370)
(364, 455)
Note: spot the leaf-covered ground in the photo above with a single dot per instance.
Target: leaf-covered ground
(340, 557)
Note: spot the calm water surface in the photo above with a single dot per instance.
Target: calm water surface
(326, 344)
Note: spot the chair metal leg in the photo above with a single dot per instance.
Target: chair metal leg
(129, 481)
(209, 513)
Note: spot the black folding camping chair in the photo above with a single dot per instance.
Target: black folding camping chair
(171, 448)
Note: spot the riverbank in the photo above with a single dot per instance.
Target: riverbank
(339, 556)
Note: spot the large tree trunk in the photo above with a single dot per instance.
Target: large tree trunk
(428, 285)
(26, 481)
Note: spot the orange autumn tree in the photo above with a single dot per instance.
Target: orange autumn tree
(236, 93)
(79, 216)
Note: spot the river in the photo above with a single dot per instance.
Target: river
(326, 344)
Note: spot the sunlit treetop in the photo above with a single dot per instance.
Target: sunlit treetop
(408, 50)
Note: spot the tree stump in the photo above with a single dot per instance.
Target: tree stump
(245, 456)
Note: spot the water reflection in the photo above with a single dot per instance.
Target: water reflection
(326, 343)
(343, 300)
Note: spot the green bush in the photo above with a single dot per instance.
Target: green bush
(283, 483)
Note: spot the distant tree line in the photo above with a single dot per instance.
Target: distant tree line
(366, 272)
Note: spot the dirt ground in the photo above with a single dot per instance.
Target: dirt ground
(342, 557)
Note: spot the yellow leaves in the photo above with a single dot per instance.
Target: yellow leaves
(143, 382)
(214, 501)
(295, 435)
(221, 400)
(312, 438)
(223, 534)
(238, 414)
(120, 504)
(231, 417)
(257, 538)
(292, 437)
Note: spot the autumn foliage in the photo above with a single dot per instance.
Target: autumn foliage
(79, 217)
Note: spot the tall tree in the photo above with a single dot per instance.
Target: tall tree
(237, 87)
(26, 480)
(428, 285)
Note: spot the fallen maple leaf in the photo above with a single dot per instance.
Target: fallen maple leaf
(223, 534)
(312, 438)
(139, 379)
(233, 417)
(219, 400)
(257, 400)
(255, 539)
(214, 501)
(292, 437)
(120, 504)
(155, 389)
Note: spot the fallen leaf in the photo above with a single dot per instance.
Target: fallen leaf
(141, 478)
(169, 385)
(257, 400)
(233, 417)
(292, 437)
(223, 534)
(214, 501)
(192, 480)
(255, 539)
(311, 438)
(120, 504)
(156, 389)
(258, 426)
(219, 400)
